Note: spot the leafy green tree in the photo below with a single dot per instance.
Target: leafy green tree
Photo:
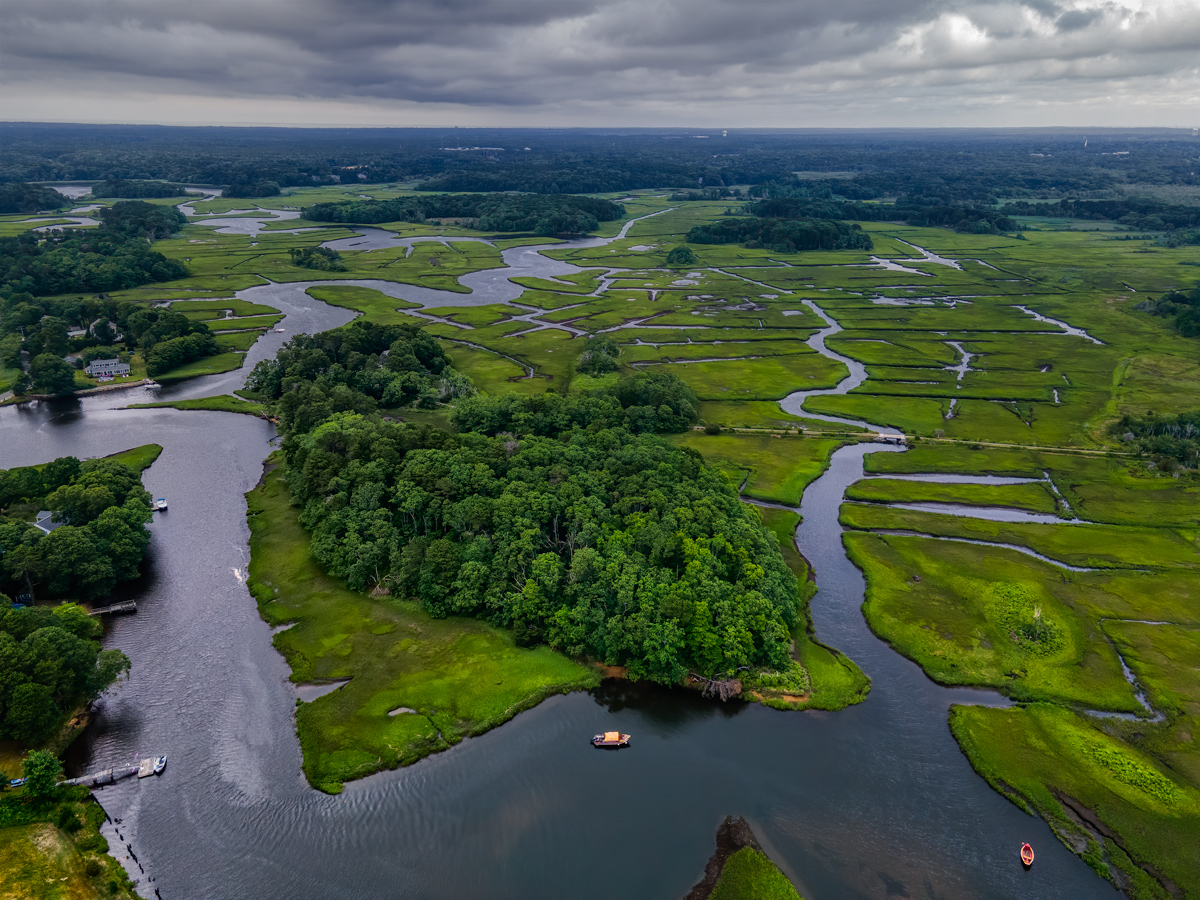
(599, 355)
(54, 336)
(32, 715)
(42, 772)
(681, 256)
(51, 375)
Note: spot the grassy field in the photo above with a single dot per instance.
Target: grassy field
(209, 365)
(41, 862)
(774, 468)
(450, 677)
(139, 458)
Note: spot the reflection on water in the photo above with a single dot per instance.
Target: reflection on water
(664, 705)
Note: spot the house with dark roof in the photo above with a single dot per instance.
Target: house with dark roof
(47, 521)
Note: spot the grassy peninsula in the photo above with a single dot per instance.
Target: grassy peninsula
(416, 684)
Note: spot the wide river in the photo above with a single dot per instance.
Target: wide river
(873, 801)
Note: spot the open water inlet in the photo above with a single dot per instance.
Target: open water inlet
(875, 800)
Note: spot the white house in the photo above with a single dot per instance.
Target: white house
(107, 368)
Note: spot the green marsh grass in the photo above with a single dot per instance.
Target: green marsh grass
(461, 676)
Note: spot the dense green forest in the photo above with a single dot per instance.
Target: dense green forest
(783, 235)
(598, 542)
(103, 511)
(359, 368)
(51, 663)
(113, 256)
(561, 517)
(644, 403)
(137, 189)
(504, 213)
(29, 198)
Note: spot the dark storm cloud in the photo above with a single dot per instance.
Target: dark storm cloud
(765, 62)
(1077, 18)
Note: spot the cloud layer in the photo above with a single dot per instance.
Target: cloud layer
(709, 63)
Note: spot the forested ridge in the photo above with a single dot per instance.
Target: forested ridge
(542, 214)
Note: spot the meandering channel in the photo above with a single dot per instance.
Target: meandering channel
(872, 801)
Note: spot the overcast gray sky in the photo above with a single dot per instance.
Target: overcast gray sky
(708, 63)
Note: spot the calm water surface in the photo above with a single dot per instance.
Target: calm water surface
(874, 801)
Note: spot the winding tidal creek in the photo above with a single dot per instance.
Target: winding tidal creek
(873, 801)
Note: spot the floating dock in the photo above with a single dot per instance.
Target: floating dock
(114, 774)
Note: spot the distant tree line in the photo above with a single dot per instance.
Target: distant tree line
(137, 189)
(252, 189)
(938, 168)
(540, 214)
(1182, 238)
(968, 218)
(783, 235)
(1141, 213)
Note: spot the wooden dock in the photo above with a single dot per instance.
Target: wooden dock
(116, 773)
(105, 776)
(129, 606)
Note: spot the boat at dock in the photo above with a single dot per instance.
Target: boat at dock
(1026, 855)
(160, 763)
(611, 739)
(160, 505)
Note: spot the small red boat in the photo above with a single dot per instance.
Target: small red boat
(1026, 855)
(611, 739)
